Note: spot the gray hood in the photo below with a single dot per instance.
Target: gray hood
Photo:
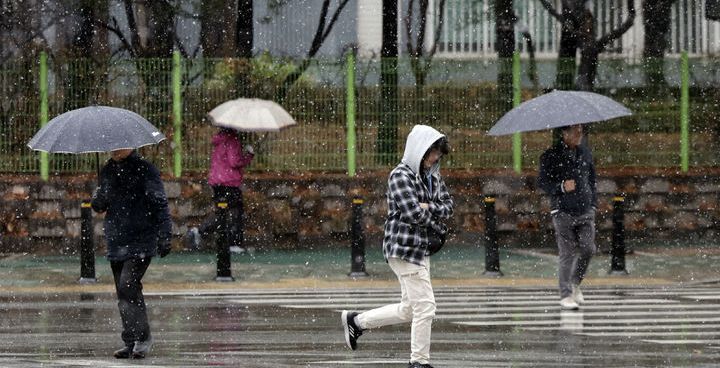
(419, 140)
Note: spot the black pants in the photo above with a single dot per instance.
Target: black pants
(236, 214)
(128, 286)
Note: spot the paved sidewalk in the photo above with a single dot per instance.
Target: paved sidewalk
(328, 267)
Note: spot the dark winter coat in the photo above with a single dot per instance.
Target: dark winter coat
(560, 163)
(137, 217)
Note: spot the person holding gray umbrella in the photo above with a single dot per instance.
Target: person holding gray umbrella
(132, 196)
(567, 175)
(137, 228)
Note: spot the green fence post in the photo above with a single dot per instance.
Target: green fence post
(517, 137)
(177, 115)
(350, 113)
(44, 165)
(684, 112)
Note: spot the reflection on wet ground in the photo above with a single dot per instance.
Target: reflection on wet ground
(475, 327)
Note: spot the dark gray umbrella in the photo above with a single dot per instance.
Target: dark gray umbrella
(557, 109)
(95, 129)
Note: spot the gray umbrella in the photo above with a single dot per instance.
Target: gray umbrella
(95, 129)
(558, 109)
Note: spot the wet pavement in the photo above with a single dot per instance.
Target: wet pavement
(284, 312)
(474, 327)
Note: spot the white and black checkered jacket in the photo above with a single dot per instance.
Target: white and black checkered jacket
(407, 223)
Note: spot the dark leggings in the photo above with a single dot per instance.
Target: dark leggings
(128, 286)
(233, 196)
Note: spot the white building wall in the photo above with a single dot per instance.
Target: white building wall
(369, 28)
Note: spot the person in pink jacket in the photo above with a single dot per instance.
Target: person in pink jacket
(227, 169)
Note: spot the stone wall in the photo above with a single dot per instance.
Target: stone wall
(314, 210)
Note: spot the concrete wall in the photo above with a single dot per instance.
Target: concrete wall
(314, 210)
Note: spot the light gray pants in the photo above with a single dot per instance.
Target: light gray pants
(575, 236)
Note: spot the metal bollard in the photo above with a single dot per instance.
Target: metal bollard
(492, 254)
(617, 250)
(222, 241)
(87, 246)
(357, 250)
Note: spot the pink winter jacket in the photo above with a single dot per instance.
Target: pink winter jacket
(228, 161)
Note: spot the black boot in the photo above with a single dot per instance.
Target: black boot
(124, 353)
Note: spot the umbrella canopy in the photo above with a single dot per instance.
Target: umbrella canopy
(95, 129)
(558, 109)
(251, 115)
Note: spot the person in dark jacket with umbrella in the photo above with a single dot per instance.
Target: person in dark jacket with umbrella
(567, 175)
(137, 228)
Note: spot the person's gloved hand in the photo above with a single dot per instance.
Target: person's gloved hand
(249, 149)
(164, 247)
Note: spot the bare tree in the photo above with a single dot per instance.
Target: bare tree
(420, 55)
(579, 28)
(22, 28)
(326, 22)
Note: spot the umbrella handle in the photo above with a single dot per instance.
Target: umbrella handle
(97, 166)
(260, 142)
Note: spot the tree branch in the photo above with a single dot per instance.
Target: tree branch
(408, 29)
(420, 43)
(132, 24)
(317, 39)
(441, 21)
(116, 30)
(618, 32)
(551, 9)
(334, 19)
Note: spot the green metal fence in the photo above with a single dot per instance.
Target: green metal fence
(460, 99)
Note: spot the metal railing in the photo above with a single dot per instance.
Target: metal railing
(459, 105)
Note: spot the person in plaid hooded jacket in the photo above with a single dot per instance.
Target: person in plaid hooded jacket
(418, 199)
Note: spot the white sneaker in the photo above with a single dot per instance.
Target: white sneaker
(236, 249)
(577, 295)
(192, 239)
(568, 303)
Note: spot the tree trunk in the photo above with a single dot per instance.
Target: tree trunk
(505, 36)
(387, 131)
(657, 25)
(216, 18)
(245, 30)
(244, 47)
(567, 53)
(87, 46)
(588, 68)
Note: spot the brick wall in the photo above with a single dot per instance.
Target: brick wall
(314, 210)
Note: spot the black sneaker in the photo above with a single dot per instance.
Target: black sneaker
(123, 353)
(142, 348)
(418, 365)
(352, 331)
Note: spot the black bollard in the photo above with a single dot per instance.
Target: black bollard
(357, 250)
(617, 250)
(492, 253)
(222, 241)
(87, 246)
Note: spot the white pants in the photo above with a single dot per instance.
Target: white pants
(417, 304)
